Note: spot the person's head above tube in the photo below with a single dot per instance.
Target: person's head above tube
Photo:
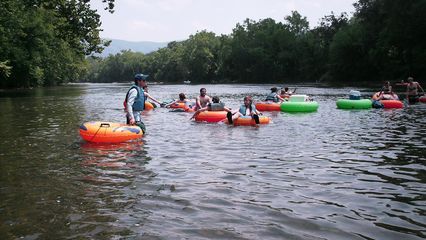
(274, 89)
(182, 96)
(203, 92)
(215, 99)
(248, 100)
(410, 79)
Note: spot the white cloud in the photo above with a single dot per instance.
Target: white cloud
(167, 20)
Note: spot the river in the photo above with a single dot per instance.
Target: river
(331, 174)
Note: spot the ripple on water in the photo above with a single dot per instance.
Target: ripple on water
(331, 174)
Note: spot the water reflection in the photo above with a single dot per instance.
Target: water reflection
(111, 174)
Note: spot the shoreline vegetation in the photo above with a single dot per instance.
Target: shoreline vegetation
(54, 42)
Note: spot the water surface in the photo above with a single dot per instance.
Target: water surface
(332, 174)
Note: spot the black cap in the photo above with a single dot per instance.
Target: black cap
(141, 76)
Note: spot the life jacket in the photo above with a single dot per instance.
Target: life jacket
(139, 104)
(243, 109)
(216, 106)
(272, 97)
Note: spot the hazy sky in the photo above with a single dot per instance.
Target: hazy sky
(168, 20)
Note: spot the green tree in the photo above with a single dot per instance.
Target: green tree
(167, 64)
(45, 41)
(200, 56)
(396, 30)
(348, 59)
(297, 24)
(318, 43)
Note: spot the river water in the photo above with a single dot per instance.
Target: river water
(332, 174)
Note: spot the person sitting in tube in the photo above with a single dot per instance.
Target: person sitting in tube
(202, 100)
(386, 93)
(182, 99)
(247, 109)
(216, 105)
(286, 93)
(273, 96)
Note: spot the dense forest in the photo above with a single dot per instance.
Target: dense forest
(51, 43)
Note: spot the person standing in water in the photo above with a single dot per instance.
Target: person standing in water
(202, 100)
(413, 90)
(135, 102)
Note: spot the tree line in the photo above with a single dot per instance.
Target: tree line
(383, 40)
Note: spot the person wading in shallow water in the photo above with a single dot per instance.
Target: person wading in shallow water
(413, 91)
(135, 102)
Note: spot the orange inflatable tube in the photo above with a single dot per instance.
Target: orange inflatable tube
(249, 121)
(386, 96)
(392, 103)
(109, 132)
(211, 116)
(178, 105)
(181, 105)
(149, 106)
(268, 106)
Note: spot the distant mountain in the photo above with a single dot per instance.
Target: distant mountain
(117, 46)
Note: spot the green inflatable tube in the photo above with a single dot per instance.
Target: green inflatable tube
(354, 104)
(299, 106)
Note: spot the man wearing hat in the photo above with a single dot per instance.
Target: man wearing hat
(135, 102)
